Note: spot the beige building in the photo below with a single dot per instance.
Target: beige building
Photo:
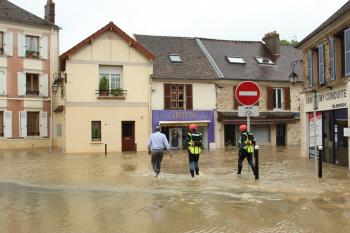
(28, 60)
(326, 80)
(103, 95)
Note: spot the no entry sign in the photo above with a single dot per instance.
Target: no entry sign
(247, 93)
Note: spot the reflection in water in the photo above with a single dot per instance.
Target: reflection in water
(52, 192)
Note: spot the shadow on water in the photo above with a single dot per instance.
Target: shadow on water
(42, 191)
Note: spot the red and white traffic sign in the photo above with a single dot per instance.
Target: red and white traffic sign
(247, 93)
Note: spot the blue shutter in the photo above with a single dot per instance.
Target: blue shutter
(347, 51)
(320, 64)
(309, 69)
(331, 59)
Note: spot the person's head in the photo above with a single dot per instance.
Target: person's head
(242, 128)
(192, 127)
(157, 128)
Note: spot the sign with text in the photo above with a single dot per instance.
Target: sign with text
(247, 93)
(245, 111)
(315, 127)
(346, 132)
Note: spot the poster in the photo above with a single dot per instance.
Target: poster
(175, 135)
(314, 124)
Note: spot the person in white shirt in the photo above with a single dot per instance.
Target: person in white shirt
(157, 144)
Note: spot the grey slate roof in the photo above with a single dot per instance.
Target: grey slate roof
(9, 12)
(252, 70)
(195, 65)
(345, 9)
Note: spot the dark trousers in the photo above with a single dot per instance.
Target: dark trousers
(242, 155)
(157, 157)
(193, 162)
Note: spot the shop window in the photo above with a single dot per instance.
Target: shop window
(96, 131)
(33, 124)
(32, 46)
(1, 43)
(32, 84)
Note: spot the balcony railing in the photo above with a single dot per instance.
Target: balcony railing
(32, 93)
(29, 133)
(117, 93)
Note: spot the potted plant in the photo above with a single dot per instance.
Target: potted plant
(117, 92)
(103, 87)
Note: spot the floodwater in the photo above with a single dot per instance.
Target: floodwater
(43, 191)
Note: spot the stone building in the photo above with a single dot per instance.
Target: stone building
(326, 79)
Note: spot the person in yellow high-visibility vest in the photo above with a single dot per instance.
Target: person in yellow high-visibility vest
(194, 141)
(246, 148)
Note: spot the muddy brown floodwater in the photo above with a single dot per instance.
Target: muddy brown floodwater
(45, 191)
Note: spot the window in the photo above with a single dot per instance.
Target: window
(32, 84)
(114, 80)
(175, 58)
(1, 124)
(277, 99)
(96, 131)
(1, 43)
(177, 96)
(235, 60)
(321, 66)
(264, 60)
(32, 46)
(33, 124)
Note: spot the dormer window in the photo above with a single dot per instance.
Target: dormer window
(175, 58)
(235, 60)
(264, 60)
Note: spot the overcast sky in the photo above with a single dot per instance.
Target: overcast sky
(221, 19)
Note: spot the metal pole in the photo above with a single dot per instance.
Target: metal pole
(315, 139)
(105, 150)
(320, 150)
(256, 156)
(248, 123)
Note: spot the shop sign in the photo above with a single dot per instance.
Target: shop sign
(326, 100)
(314, 124)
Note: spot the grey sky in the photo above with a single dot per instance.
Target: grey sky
(221, 19)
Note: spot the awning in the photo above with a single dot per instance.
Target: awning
(257, 121)
(263, 119)
(184, 123)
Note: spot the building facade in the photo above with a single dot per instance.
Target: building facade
(103, 96)
(28, 60)
(183, 89)
(326, 79)
(269, 65)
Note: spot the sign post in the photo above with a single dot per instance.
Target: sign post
(248, 93)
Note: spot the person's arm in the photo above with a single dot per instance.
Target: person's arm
(149, 144)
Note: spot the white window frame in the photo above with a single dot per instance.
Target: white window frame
(264, 60)
(275, 100)
(175, 58)
(109, 71)
(235, 60)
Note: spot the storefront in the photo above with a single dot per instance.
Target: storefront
(329, 125)
(174, 125)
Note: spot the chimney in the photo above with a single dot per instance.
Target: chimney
(50, 11)
(272, 42)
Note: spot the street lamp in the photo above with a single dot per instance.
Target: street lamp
(293, 77)
(54, 87)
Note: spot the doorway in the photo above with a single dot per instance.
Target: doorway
(128, 136)
(230, 135)
(280, 135)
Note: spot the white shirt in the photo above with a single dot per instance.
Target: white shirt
(158, 141)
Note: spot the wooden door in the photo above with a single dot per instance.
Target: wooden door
(128, 136)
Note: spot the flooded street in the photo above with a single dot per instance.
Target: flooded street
(43, 191)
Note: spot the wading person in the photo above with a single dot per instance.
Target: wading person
(194, 143)
(157, 144)
(246, 148)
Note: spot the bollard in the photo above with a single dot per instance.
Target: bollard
(256, 156)
(105, 150)
(320, 151)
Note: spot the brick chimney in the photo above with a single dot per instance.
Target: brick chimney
(50, 11)
(272, 42)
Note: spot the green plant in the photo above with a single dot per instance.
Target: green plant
(103, 87)
(117, 92)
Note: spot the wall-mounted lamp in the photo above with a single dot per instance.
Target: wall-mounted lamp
(54, 87)
(293, 77)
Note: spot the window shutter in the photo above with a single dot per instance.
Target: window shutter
(23, 124)
(286, 98)
(9, 43)
(43, 124)
(331, 59)
(320, 64)
(21, 83)
(309, 69)
(347, 51)
(44, 85)
(44, 43)
(167, 97)
(2, 82)
(269, 98)
(7, 124)
(21, 45)
(189, 97)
